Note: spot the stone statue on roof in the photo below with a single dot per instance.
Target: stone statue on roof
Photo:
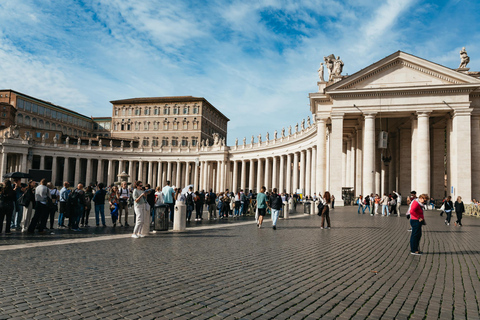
(464, 58)
(329, 64)
(308, 121)
(267, 136)
(320, 73)
(259, 139)
(236, 142)
(275, 135)
(283, 132)
(303, 124)
(244, 141)
(337, 67)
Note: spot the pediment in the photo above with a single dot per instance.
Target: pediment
(402, 70)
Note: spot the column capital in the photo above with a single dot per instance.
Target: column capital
(423, 113)
(462, 112)
(337, 115)
(370, 115)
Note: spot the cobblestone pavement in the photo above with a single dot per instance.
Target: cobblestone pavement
(361, 268)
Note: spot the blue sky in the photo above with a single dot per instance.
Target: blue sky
(255, 61)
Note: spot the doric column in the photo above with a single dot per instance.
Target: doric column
(295, 172)
(302, 171)
(288, 174)
(54, 170)
(196, 185)
(348, 169)
(99, 171)
(88, 173)
(281, 184)
(130, 171)
(250, 176)
(413, 159)
(187, 174)
(169, 171)
(336, 145)
(66, 168)
(150, 173)
(42, 162)
(24, 167)
(159, 174)
(405, 164)
(120, 166)
(267, 173)
(274, 174)
(344, 164)
(3, 168)
(77, 171)
(368, 155)
(259, 174)
(110, 172)
(321, 153)
(352, 162)
(423, 156)
(463, 155)
(243, 176)
(178, 171)
(140, 172)
(308, 174)
(475, 156)
(358, 163)
(235, 176)
(313, 183)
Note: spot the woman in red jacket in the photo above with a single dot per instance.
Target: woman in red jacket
(416, 221)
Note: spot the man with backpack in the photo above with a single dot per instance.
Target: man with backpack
(212, 206)
(99, 201)
(76, 205)
(190, 203)
(276, 205)
(123, 194)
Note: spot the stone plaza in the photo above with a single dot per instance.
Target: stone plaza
(361, 268)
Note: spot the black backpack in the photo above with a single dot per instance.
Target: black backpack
(189, 199)
(320, 208)
(72, 203)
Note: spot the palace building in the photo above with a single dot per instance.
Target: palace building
(401, 123)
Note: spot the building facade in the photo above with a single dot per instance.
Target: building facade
(401, 123)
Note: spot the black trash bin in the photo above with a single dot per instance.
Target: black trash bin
(161, 218)
(307, 206)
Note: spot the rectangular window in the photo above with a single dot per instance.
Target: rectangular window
(41, 110)
(195, 125)
(165, 142)
(54, 114)
(38, 134)
(194, 142)
(184, 142)
(165, 126)
(34, 108)
(64, 117)
(185, 110)
(48, 112)
(20, 103)
(174, 142)
(185, 126)
(70, 119)
(46, 135)
(175, 126)
(28, 106)
(175, 111)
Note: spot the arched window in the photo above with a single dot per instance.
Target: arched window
(27, 120)
(34, 122)
(52, 126)
(185, 110)
(40, 124)
(69, 131)
(47, 125)
(19, 118)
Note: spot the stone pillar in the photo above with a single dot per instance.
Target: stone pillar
(358, 163)
(207, 176)
(110, 172)
(378, 171)
(140, 172)
(302, 171)
(3, 167)
(42, 162)
(178, 171)
(54, 170)
(352, 161)
(423, 153)
(24, 167)
(405, 162)
(463, 155)
(196, 185)
(281, 185)
(349, 168)
(295, 172)
(369, 155)
(267, 174)
(99, 171)
(250, 176)
(413, 173)
(259, 174)
(130, 171)
(320, 171)
(308, 167)
(288, 173)
(149, 177)
(235, 176)
(344, 164)
(77, 171)
(313, 183)
(475, 157)
(159, 174)
(243, 175)
(274, 174)
(169, 171)
(66, 168)
(187, 174)
(336, 145)
(88, 173)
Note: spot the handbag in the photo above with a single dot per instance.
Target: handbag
(23, 200)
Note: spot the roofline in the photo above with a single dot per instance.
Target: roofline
(166, 100)
(48, 103)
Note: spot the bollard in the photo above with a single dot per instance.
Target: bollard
(286, 209)
(291, 207)
(315, 203)
(180, 216)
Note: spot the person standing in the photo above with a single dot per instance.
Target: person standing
(64, 193)
(384, 203)
(200, 200)
(212, 205)
(168, 198)
(459, 210)
(261, 206)
(448, 210)
(326, 209)
(416, 221)
(276, 205)
(399, 202)
(333, 203)
(55, 195)
(29, 201)
(7, 199)
(77, 200)
(360, 203)
(141, 212)
(366, 202)
(88, 206)
(124, 195)
(99, 201)
(113, 201)
(190, 203)
(18, 210)
(41, 208)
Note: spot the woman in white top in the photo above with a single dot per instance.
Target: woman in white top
(141, 211)
(158, 196)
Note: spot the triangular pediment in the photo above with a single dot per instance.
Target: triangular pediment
(401, 70)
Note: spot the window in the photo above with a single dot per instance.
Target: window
(195, 110)
(123, 112)
(145, 142)
(40, 124)
(185, 125)
(174, 142)
(165, 125)
(129, 111)
(115, 127)
(116, 111)
(48, 112)
(194, 141)
(34, 122)
(137, 112)
(34, 108)
(64, 117)
(41, 110)
(184, 142)
(128, 127)
(19, 118)
(195, 125)
(155, 125)
(75, 132)
(145, 125)
(164, 142)
(70, 119)
(146, 111)
(46, 135)
(154, 143)
(38, 134)
(137, 126)
(166, 110)
(175, 110)
(69, 131)
(52, 127)
(155, 111)
(54, 114)
(28, 106)
(57, 136)
(185, 110)
(47, 125)
(175, 125)
(20, 103)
